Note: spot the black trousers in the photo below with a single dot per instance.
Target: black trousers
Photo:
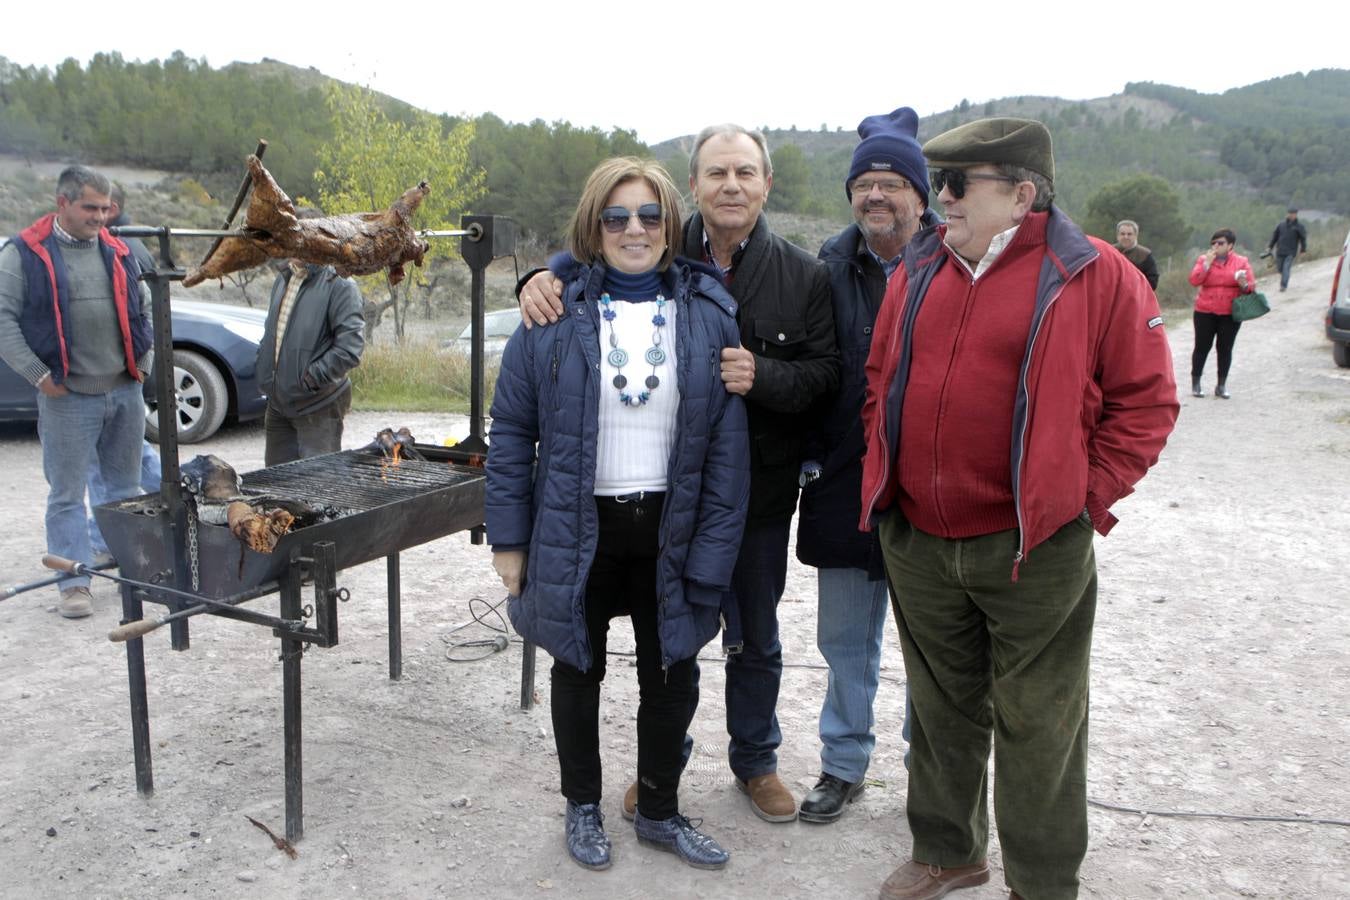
(1208, 328)
(623, 579)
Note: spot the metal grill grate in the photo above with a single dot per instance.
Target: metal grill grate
(354, 480)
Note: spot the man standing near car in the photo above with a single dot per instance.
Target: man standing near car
(313, 337)
(787, 361)
(73, 323)
(1019, 384)
(1289, 240)
(887, 185)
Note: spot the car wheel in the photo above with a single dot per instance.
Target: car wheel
(1341, 353)
(202, 399)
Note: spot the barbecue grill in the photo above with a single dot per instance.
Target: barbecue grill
(370, 508)
(367, 505)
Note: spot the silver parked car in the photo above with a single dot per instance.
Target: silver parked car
(1338, 312)
(498, 326)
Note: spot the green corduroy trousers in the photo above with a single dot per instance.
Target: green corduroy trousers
(990, 658)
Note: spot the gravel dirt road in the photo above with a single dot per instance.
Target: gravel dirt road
(1219, 686)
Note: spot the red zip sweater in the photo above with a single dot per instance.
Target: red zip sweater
(969, 341)
(1095, 397)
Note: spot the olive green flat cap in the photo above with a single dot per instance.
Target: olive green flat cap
(1018, 142)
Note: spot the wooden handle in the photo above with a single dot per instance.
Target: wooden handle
(133, 629)
(60, 563)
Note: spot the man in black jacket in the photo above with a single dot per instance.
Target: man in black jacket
(1289, 240)
(313, 337)
(786, 361)
(1127, 242)
(887, 185)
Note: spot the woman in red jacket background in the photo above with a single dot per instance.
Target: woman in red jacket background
(1221, 274)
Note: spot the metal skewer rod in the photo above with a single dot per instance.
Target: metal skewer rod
(143, 626)
(244, 187)
(145, 231)
(454, 232)
(142, 231)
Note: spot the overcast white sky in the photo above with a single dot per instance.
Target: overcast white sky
(610, 64)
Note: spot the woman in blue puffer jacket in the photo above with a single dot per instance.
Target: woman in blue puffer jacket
(617, 483)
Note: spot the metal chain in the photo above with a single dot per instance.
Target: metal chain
(192, 544)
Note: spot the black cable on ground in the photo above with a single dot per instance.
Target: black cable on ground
(489, 616)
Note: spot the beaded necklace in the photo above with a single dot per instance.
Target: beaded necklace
(618, 357)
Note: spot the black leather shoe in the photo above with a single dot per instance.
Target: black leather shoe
(826, 801)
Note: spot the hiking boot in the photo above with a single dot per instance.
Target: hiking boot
(680, 836)
(587, 842)
(921, 881)
(769, 798)
(630, 801)
(76, 603)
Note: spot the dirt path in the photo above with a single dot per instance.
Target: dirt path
(1220, 684)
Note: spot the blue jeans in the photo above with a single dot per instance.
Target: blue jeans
(77, 431)
(850, 625)
(98, 493)
(754, 674)
(1286, 265)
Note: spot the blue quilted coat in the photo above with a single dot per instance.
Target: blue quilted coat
(542, 459)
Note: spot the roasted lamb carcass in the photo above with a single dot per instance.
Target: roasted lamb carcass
(354, 244)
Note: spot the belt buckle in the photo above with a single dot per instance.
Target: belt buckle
(635, 497)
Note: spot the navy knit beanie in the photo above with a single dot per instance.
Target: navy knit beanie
(889, 144)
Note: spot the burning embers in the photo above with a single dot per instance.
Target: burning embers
(393, 447)
(217, 497)
(294, 498)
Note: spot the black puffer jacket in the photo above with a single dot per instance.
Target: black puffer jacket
(827, 523)
(785, 319)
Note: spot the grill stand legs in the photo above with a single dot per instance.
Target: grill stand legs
(527, 676)
(291, 652)
(140, 709)
(395, 619)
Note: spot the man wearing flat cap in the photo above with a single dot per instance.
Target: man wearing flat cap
(887, 185)
(1019, 384)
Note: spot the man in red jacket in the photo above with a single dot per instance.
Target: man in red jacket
(1019, 384)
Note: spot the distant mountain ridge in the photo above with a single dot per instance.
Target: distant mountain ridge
(1235, 158)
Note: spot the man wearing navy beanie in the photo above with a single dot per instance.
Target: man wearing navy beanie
(887, 185)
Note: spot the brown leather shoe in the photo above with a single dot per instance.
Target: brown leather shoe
(769, 798)
(630, 802)
(920, 881)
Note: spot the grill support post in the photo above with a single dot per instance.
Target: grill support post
(395, 617)
(170, 478)
(140, 708)
(527, 676)
(292, 651)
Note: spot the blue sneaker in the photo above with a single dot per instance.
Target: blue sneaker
(586, 839)
(680, 836)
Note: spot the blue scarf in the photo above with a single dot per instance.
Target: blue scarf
(634, 288)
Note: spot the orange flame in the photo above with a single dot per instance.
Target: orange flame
(390, 463)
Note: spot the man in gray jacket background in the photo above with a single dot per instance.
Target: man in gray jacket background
(312, 339)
